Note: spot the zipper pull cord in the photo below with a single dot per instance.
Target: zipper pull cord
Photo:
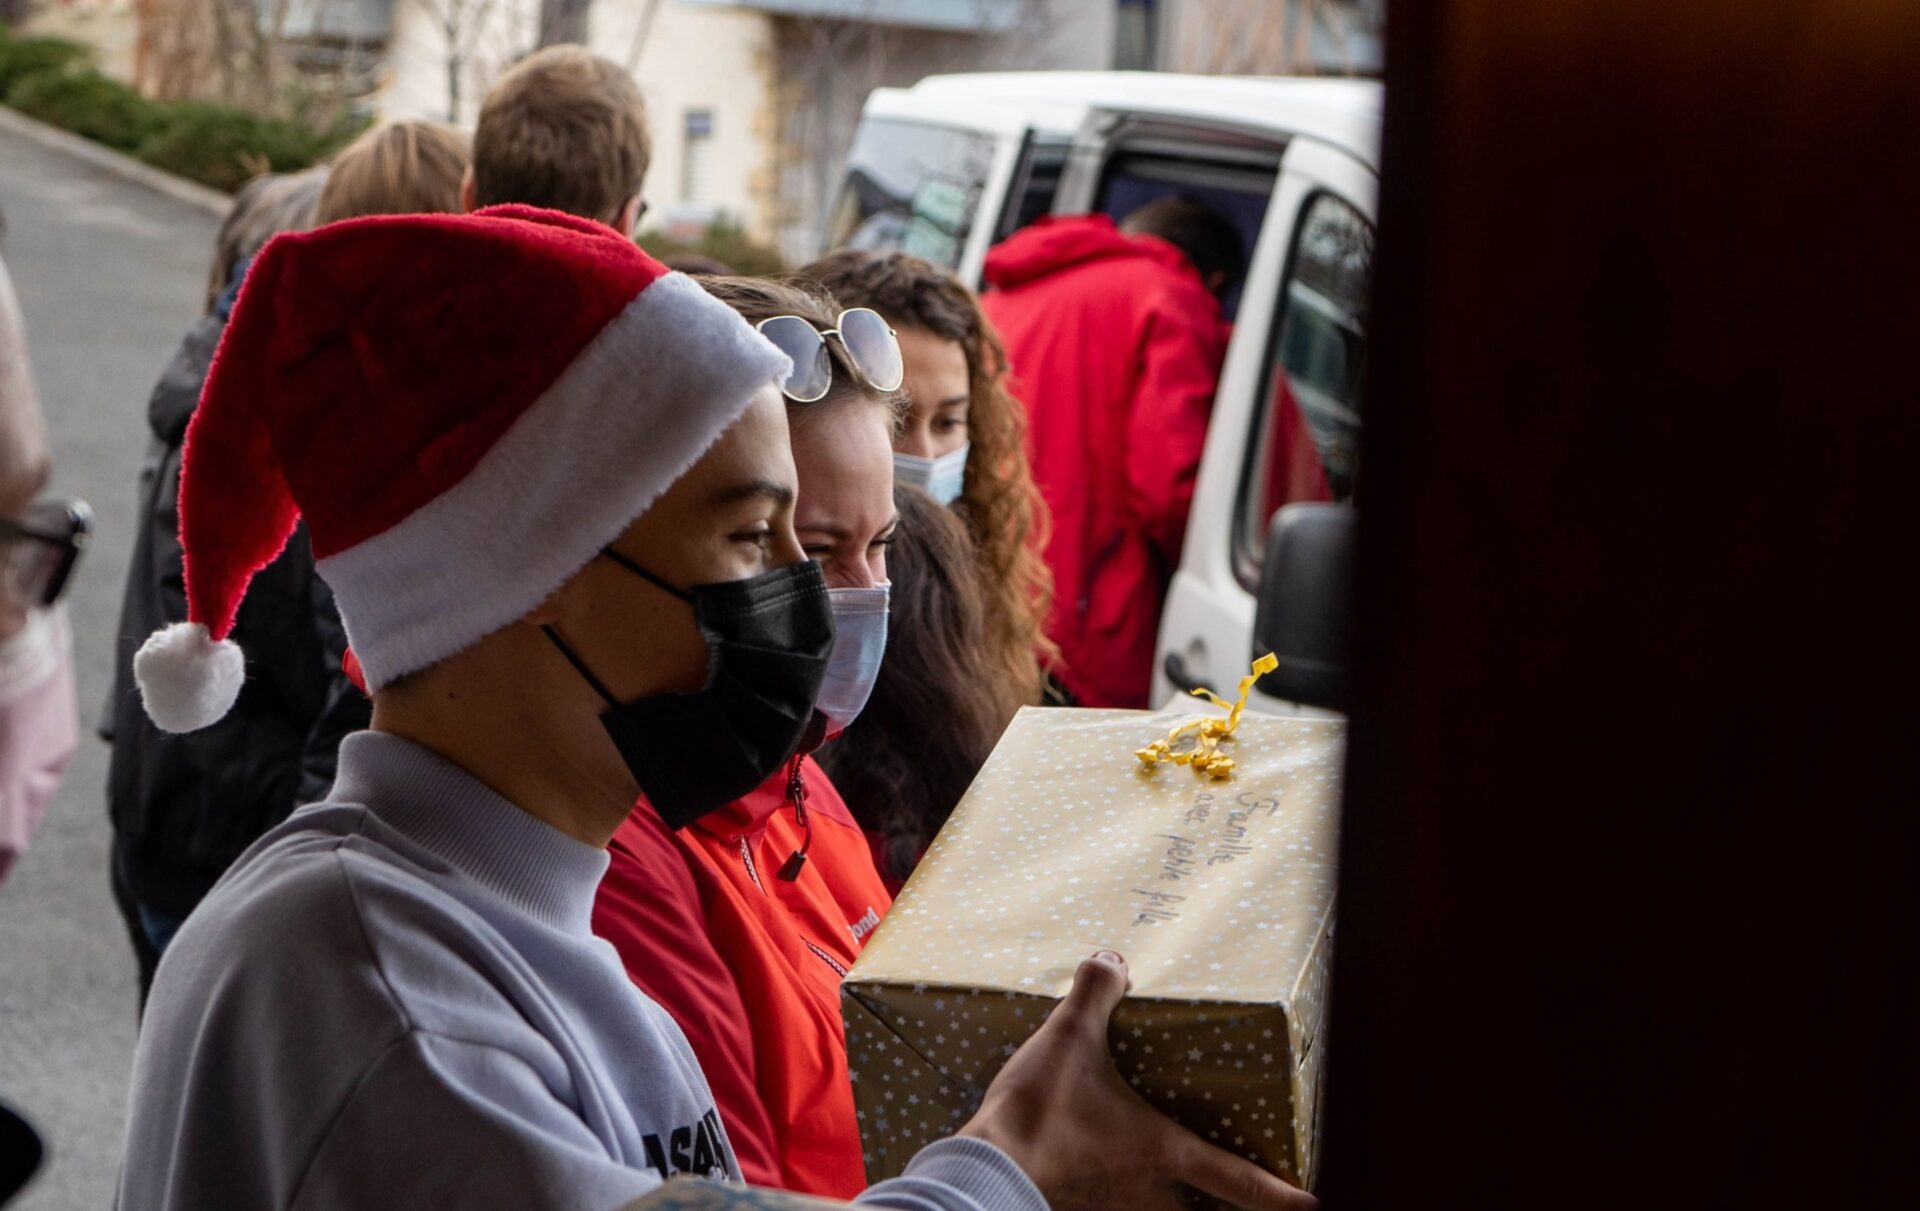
(797, 795)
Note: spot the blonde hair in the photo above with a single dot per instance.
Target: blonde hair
(400, 168)
(265, 206)
(565, 129)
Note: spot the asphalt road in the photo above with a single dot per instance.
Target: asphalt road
(109, 275)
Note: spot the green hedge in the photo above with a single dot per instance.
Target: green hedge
(216, 145)
(725, 243)
(225, 148)
(23, 57)
(90, 105)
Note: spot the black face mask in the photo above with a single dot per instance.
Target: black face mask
(768, 640)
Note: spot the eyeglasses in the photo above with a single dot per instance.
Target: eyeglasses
(870, 342)
(37, 553)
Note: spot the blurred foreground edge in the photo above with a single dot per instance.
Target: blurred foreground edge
(1629, 858)
(699, 1194)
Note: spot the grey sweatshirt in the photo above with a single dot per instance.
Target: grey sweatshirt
(394, 1000)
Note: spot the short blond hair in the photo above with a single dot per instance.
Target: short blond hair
(565, 129)
(399, 168)
(265, 206)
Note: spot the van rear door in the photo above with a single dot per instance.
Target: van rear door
(1285, 424)
(933, 177)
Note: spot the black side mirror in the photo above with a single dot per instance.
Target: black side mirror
(1305, 604)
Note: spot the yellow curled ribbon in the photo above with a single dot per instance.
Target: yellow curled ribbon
(1205, 756)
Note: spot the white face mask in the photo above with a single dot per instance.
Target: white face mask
(859, 644)
(941, 478)
(39, 726)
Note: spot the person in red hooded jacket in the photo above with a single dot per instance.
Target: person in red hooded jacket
(742, 922)
(1116, 338)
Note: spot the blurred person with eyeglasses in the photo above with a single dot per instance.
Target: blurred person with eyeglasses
(40, 540)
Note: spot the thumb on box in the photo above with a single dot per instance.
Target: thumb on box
(1099, 985)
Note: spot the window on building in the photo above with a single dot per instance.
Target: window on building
(1135, 35)
(696, 159)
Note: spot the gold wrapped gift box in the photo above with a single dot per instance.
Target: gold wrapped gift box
(1218, 892)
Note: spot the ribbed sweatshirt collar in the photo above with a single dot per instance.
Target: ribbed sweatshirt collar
(527, 863)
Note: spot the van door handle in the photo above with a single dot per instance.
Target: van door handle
(1183, 680)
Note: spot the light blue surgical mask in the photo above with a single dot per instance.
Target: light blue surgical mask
(941, 478)
(859, 644)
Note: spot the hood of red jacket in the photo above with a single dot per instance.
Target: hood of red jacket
(1056, 242)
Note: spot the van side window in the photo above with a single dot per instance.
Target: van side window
(911, 186)
(1304, 444)
(1035, 184)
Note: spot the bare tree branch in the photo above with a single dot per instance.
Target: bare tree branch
(642, 31)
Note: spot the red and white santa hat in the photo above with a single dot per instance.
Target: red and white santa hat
(463, 408)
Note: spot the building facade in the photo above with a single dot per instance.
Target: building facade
(754, 103)
(705, 73)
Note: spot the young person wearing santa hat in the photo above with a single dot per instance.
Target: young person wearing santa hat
(550, 486)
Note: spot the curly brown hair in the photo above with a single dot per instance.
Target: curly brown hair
(1000, 503)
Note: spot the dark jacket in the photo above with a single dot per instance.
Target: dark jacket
(184, 807)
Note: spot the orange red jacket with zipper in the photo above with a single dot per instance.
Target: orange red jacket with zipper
(749, 963)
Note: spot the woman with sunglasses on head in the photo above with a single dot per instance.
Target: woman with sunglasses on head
(964, 445)
(741, 920)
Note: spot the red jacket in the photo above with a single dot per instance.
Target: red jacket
(749, 965)
(1115, 345)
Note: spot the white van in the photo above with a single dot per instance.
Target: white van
(955, 164)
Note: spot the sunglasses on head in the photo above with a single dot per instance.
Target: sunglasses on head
(37, 553)
(869, 340)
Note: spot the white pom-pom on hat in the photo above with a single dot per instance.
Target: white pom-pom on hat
(187, 679)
